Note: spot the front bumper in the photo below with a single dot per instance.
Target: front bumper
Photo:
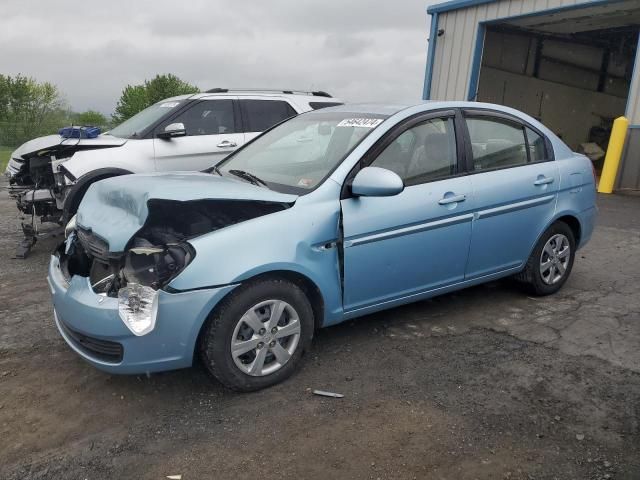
(91, 326)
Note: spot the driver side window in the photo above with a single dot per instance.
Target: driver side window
(208, 117)
(423, 153)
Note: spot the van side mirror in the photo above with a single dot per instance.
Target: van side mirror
(376, 182)
(172, 130)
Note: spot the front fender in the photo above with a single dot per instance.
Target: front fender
(301, 239)
(135, 156)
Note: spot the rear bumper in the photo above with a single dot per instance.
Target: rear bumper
(91, 326)
(587, 224)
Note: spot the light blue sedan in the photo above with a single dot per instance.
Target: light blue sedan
(328, 216)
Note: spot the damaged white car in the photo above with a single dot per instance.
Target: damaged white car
(49, 176)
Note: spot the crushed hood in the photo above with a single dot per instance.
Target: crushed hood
(116, 208)
(54, 142)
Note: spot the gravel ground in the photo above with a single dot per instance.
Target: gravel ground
(484, 383)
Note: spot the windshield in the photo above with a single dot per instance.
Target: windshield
(133, 127)
(299, 154)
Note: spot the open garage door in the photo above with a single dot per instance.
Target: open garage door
(570, 69)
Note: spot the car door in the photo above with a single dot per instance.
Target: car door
(212, 132)
(260, 114)
(400, 246)
(515, 185)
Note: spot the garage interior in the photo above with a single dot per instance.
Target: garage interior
(571, 69)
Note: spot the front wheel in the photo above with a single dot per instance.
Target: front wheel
(551, 261)
(257, 336)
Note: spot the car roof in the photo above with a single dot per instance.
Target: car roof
(389, 109)
(386, 109)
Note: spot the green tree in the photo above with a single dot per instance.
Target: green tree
(91, 117)
(135, 98)
(28, 109)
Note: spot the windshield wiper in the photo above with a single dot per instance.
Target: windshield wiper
(250, 177)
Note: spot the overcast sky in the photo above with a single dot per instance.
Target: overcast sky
(357, 50)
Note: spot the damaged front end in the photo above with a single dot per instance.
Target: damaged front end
(39, 182)
(133, 277)
(157, 253)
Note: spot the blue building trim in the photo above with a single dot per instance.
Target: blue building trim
(476, 63)
(431, 57)
(456, 5)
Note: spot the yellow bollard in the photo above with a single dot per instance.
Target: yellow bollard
(614, 154)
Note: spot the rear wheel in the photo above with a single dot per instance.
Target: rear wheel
(257, 336)
(551, 261)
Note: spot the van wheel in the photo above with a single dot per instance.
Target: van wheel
(257, 335)
(551, 261)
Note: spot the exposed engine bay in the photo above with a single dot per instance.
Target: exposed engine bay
(39, 183)
(155, 255)
(159, 251)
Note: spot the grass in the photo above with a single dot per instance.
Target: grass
(5, 153)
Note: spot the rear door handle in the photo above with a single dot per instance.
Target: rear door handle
(227, 144)
(452, 199)
(543, 181)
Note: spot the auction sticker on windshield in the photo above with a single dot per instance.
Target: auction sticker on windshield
(360, 122)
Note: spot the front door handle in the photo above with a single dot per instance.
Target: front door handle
(227, 144)
(453, 199)
(543, 181)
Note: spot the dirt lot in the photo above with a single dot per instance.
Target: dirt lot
(485, 383)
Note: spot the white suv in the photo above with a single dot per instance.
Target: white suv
(49, 175)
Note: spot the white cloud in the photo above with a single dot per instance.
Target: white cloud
(358, 50)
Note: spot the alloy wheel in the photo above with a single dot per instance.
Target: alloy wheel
(554, 259)
(265, 338)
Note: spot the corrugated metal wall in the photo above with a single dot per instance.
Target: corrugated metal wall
(454, 51)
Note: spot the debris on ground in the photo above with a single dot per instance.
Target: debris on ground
(322, 393)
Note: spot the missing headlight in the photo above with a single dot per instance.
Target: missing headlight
(155, 266)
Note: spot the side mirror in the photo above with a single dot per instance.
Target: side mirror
(376, 182)
(173, 130)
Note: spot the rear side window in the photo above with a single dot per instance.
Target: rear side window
(496, 144)
(260, 115)
(319, 105)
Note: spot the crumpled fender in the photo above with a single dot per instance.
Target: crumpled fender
(116, 208)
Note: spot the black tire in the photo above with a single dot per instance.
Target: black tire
(532, 277)
(215, 339)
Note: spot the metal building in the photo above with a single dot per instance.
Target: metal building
(570, 63)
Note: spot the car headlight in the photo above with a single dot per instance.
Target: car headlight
(70, 226)
(138, 308)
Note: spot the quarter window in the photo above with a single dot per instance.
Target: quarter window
(537, 149)
(260, 115)
(209, 117)
(422, 153)
(496, 144)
